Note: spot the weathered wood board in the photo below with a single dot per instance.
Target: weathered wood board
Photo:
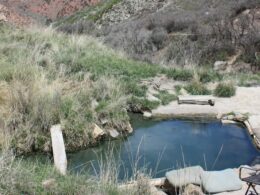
(197, 99)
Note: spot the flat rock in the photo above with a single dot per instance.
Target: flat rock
(49, 183)
(240, 117)
(129, 128)
(220, 65)
(147, 114)
(183, 92)
(113, 133)
(230, 117)
(151, 97)
(97, 132)
(223, 121)
(94, 104)
(3, 17)
(192, 190)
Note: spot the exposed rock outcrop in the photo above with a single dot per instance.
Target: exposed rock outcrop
(97, 132)
(38, 11)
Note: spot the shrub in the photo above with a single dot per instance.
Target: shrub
(141, 104)
(209, 76)
(225, 90)
(179, 74)
(165, 97)
(197, 88)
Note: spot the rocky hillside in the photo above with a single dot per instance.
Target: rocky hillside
(176, 33)
(183, 33)
(35, 11)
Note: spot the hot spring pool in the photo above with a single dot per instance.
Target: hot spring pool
(164, 145)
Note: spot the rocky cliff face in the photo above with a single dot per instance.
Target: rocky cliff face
(35, 11)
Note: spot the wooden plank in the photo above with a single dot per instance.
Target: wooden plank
(58, 148)
(197, 99)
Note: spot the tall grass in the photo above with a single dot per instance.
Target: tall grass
(197, 88)
(52, 78)
(27, 177)
(55, 78)
(225, 90)
(38, 176)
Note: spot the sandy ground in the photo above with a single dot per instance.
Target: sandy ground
(246, 100)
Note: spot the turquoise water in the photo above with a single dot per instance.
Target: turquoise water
(164, 145)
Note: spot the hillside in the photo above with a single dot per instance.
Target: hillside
(175, 33)
(38, 11)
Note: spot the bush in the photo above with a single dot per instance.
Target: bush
(225, 90)
(197, 88)
(141, 104)
(209, 76)
(165, 97)
(179, 74)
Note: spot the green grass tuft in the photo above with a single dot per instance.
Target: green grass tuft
(179, 74)
(225, 90)
(197, 88)
(166, 97)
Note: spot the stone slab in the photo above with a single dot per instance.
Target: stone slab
(58, 147)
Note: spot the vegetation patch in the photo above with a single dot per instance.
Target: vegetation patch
(142, 104)
(53, 78)
(225, 90)
(93, 13)
(197, 88)
(179, 74)
(166, 97)
(38, 176)
(206, 76)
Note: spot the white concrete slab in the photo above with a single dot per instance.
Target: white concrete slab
(58, 147)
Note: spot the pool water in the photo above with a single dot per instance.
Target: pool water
(159, 146)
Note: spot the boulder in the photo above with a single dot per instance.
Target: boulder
(97, 132)
(3, 17)
(151, 97)
(220, 65)
(230, 117)
(113, 133)
(147, 114)
(94, 104)
(240, 117)
(183, 92)
(49, 183)
(242, 67)
(223, 121)
(192, 190)
(129, 128)
(104, 121)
